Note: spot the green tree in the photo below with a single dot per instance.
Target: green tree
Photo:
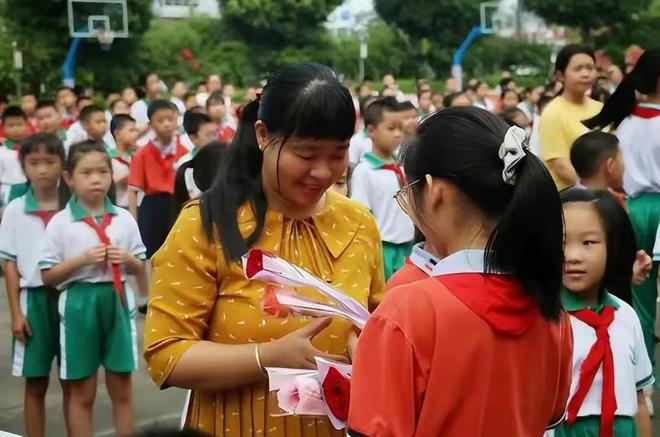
(41, 30)
(436, 27)
(277, 24)
(589, 15)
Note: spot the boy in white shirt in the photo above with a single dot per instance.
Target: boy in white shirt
(378, 177)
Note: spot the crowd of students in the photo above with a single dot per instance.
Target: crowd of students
(451, 198)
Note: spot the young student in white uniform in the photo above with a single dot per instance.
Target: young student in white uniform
(611, 367)
(201, 130)
(379, 177)
(125, 134)
(150, 84)
(89, 248)
(15, 126)
(637, 126)
(32, 306)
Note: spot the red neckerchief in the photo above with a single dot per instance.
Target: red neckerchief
(398, 171)
(499, 300)
(103, 236)
(600, 352)
(123, 160)
(45, 216)
(646, 112)
(167, 162)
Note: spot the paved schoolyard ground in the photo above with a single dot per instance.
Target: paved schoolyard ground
(153, 407)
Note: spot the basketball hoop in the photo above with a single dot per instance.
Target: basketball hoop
(105, 38)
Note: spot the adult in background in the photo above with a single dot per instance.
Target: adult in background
(560, 123)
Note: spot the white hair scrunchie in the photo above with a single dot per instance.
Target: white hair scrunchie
(512, 151)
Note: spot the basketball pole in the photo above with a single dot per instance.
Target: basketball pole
(457, 60)
(69, 66)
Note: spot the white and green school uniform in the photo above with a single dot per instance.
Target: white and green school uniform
(22, 232)
(632, 368)
(11, 172)
(193, 191)
(121, 165)
(640, 147)
(96, 326)
(374, 183)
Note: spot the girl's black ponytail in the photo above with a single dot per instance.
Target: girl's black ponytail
(181, 195)
(527, 241)
(643, 78)
(616, 108)
(239, 181)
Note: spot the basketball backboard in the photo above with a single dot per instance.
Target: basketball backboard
(498, 18)
(103, 19)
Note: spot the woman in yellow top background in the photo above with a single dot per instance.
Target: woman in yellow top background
(561, 121)
(206, 329)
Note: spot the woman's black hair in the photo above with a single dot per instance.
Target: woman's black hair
(302, 100)
(643, 78)
(567, 52)
(205, 167)
(79, 150)
(52, 145)
(620, 237)
(461, 145)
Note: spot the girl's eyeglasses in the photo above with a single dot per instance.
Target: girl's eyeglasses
(402, 197)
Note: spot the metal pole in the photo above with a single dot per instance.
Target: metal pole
(18, 66)
(363, 56)
(457, 60)
(68, 69)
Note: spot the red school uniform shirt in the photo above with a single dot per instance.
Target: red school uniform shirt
(460, 353)
(152, 167)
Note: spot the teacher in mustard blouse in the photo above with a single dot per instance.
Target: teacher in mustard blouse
(206, 329)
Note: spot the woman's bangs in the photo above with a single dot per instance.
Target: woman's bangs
(325, 112)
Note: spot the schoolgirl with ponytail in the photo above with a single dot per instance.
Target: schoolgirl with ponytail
(206, 328)
(481, 345)
(637, 125)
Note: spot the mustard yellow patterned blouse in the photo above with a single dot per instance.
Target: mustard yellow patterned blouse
(196, 295)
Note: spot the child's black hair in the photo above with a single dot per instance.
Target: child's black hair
(461, 145)
(619, 235)
(643, 79)
(115, 103)
(420, 93)
(142, 80)
(205, 166)
(119, 121)
(449, 98)
(215, 98)
(81, 149)
(509, 115)
(505, 91)
(192, 121)
(12, 111)
(567, 52)
(46, 104)
(160, 105)
(373, 113)
(406, 105)
(82, 98)
(590, 150)
(303, 100)
(87, 112)
(52, 145)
